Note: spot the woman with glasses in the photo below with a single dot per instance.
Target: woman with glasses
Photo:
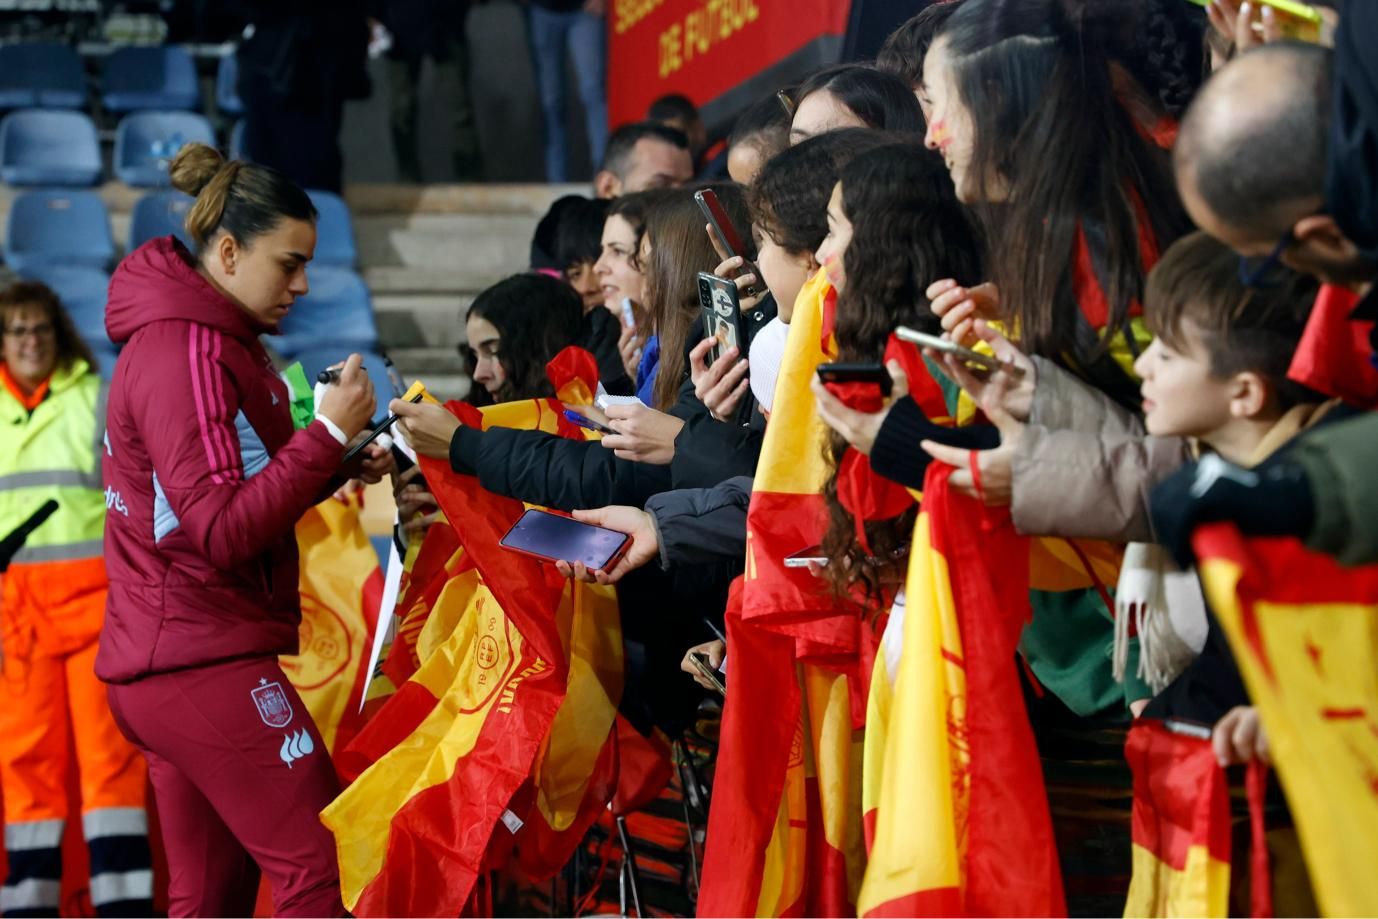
(52, 605)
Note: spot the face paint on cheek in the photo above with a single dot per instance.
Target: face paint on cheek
(942, 138)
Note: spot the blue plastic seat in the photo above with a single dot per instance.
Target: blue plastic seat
(141, 77)
(334, 231)
(315, 359)
(41, 75)
(227, 86)
(146, 142)
(82, 291)
(49, 147)
(160, 213)
(237, 141)
(105, 356)
(337, 311)
(55, 226)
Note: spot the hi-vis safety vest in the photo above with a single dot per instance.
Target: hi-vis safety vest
(55, 587)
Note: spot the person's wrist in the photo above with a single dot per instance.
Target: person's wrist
(334, 429)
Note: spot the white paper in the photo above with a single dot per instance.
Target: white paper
(391, 585)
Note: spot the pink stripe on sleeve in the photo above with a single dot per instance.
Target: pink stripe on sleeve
(199, 398)
(233, 464)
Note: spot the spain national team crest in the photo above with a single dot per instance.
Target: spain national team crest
(272, 704)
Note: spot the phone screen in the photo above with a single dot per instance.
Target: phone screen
(557, 538)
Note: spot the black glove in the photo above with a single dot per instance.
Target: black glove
(1272, 501)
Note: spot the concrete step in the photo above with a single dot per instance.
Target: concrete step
(439, 368)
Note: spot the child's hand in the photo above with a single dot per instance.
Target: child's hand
(1239, 737)
(715, 651)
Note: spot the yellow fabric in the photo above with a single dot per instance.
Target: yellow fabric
(791, 452)
(1201, 890)
(336, 561)
(919, 823)
(1320, 709)
(466, 694)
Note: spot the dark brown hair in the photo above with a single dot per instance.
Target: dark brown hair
(680, 249)
(243, 199)
(1243, 329)
(70, 346)
(1035, 78)
(908, 230)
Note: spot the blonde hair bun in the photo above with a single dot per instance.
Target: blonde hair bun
(194, 166)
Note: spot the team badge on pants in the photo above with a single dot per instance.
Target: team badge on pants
(272, 704)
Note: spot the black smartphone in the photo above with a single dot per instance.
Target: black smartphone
(551, 537)
(727, 234)
(722, 315)
(857, 373)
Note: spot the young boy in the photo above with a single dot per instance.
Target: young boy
(1216, 372)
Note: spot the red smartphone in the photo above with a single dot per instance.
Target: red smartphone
(551, 537)
(727, 234)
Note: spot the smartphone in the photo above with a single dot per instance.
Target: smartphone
(786, 103)
(628, 314)
(857, 373)
(584, 421)
(726, 233)
(802, 558)
(701, 663)
(722, 315)
(551, 537)
(947, 346)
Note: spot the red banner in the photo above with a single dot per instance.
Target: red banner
(703, 48)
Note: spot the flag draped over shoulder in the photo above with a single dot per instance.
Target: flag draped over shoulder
(957, 812)
(341, 586)
(500, 738)
(1181, 825)
(784, 828)
(1304, 631)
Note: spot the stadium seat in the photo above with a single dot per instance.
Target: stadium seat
(141, 77)
(146, 142)
(41, 75)
(82, 291)
(55, 226)
(159, 213)
(334, 231)
(227, 86)
(237, 141)
(317, 358)
(49, 147)
(105, 360)
(337, 312)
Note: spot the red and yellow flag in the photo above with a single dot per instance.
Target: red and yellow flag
(957, 813)
(1181, 825)
(1304, 631)
(500, 738)
(341, 586)
(785, 822)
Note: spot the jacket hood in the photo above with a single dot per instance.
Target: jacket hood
(159, 280)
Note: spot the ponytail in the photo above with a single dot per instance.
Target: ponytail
(243, 199)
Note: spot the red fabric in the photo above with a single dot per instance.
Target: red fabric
(573, 365)
(644, 767)
(923, 388)
(759, 723)
(1086, 282)
(30, 401)
(1181, 795)
(226, 575)
(1260, 872)
(1011, 860)
(1333, 356)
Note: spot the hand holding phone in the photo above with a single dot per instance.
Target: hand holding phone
(726, 236)
(722, 315)
(552, 537)
(947, 346)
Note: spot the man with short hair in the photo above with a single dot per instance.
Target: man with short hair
(642, 156)
(1274, 159)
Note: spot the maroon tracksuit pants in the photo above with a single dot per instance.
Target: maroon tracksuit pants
(240, 775)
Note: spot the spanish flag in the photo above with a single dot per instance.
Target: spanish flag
(500, 739)
(1304, 631)
(950, 740)
(341, 586)
(785, 832)
(1181, 824)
